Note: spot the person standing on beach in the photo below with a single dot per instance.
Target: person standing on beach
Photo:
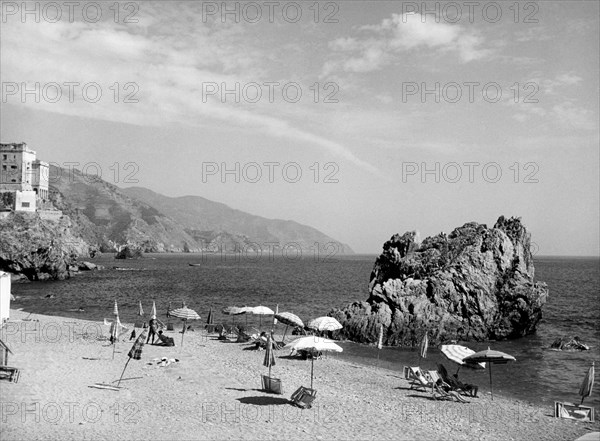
(153, 325)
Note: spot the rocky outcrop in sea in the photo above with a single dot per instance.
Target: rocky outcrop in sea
(477, 283)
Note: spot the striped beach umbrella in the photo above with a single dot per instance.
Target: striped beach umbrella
(185, 314)
(424, 346)
(458, 353)
(116, 309)
(134, 353)
(289, 319)
(492, 357)
(588, 383)
(269, 360)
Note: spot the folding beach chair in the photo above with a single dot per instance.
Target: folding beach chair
(10, 374)
(271, 385)
(456, 385)
(303, 397)
(417, 378)
(439, 393)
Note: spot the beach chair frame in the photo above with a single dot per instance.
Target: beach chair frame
(10, 374)
(303, 397)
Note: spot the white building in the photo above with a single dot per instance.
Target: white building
(23, 175)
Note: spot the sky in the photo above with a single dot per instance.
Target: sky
(360, 118)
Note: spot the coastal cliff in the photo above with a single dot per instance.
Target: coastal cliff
(476, 283)
(40, 249)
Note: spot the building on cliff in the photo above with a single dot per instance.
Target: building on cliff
(22, 176)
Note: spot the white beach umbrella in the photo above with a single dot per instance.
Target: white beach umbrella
(313, 343)
(324, 324)
(262, 310)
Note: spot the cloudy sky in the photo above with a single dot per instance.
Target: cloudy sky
(360, 118)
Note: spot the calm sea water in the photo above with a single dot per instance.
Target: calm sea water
(310, 288)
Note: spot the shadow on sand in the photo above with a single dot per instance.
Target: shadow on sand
(263, 401)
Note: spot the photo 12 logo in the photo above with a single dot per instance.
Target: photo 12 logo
(469, 12)
(70, 12)
(470, 172)
(53, 412)
(69, 92)
(269, 91)
(271, 172)
(453, 92)
(270, 12)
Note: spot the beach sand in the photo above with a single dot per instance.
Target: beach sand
(213, 392)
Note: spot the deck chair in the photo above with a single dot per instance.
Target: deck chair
(417, 378)
(170, 327)
(304, 397)
(457, 385)
(10, 374)
(271, 385)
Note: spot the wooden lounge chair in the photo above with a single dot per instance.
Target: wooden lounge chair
(456, 385)
(271, 385)
(417, 378)
(304, 397)
(10, 374)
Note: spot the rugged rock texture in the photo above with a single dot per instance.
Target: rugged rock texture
(474, 284)
(39, 249)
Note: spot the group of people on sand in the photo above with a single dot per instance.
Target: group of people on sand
(155, 333)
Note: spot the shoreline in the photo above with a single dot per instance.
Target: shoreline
(213, 392)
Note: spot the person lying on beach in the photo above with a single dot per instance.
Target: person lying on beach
(164, 340)
(222, 334)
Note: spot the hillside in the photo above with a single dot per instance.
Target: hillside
(197, 214)
(107, 217)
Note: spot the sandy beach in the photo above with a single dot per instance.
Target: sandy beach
(213, 392)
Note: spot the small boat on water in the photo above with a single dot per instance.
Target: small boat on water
(194, 264)
(120, 268)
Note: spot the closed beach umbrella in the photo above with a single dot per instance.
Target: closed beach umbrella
(289, 319)
(492, 357)
(458, 353)
(313, 343)
(153, 312)
(380, 340)
(185, 314)
(141, 310)
(588, 383)
(262, 310)
(324, 324)
(116, 309)
(424, 346)
(210, 319)
(134, 353)
(269, 355)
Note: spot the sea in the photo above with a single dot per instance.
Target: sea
(310, 286)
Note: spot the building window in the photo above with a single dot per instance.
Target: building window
(13, 167)
(5, 157)
(25, 204)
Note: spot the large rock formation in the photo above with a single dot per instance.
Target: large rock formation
(40, 249)
(474, 284)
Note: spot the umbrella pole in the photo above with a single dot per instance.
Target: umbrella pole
(312, 366)
(183, 332)
(284, 332)
(114, 346)
(123, 373)
(491, 385)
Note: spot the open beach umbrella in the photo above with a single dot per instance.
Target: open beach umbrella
(269, 355)
(232, 311)
(185, 314)
(457, 354)
(246, 310)
(289, 319)
(588, 383)
(141, 310)
(262, 310)
(313, 343)
(492, 357)
(324, 324)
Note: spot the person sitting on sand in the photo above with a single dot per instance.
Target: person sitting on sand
(222, 334)
(164, 340)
